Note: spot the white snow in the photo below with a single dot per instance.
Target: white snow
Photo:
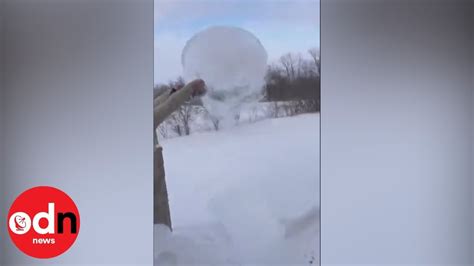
(243, 195)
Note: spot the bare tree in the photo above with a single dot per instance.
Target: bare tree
(178, 83)
(179, 121)
(274, 110)
(163, 129)
(314, 52)
(289, 63)
(300, 62)
(307, 69)
(277, 83)
(182, 118)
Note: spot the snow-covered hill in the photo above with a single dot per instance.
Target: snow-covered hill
(244, 195)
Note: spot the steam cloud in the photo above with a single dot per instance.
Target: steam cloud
(233, 62)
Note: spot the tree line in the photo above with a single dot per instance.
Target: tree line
(292, 86)
(296, 79)
(292, 77)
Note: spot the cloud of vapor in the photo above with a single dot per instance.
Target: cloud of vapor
(233, 62)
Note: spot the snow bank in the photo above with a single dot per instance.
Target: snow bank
(245, 195)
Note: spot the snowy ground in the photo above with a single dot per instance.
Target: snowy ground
(247, 195)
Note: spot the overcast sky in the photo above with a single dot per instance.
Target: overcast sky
(281, 25)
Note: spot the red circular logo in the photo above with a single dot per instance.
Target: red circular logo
(43, 222)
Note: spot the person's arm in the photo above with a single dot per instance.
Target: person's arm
(161, 98)
(175, 100)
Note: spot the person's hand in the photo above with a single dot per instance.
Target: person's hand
(198, 86)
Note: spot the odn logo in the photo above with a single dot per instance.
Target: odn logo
(43, 222)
